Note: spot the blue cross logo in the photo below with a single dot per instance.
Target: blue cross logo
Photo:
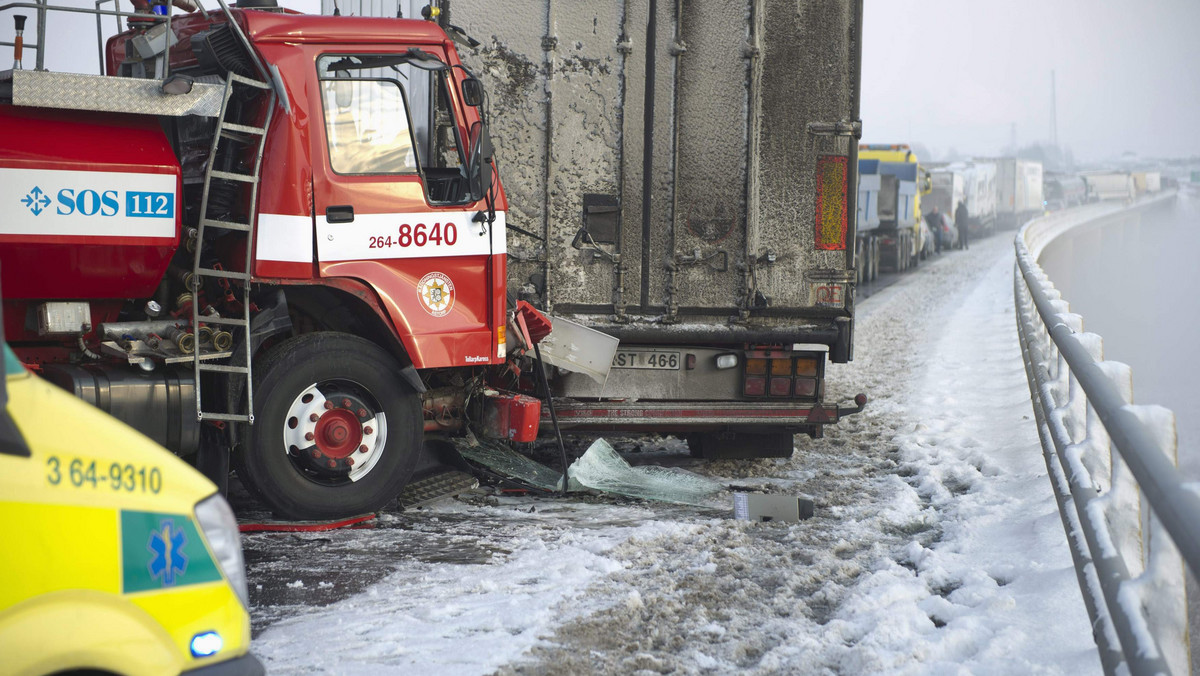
(167, 543)
(36, 200)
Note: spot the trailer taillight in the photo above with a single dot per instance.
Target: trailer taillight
(754, 386)
(806, 387)
(832, 222)
(781, 387)
(806, 367)
(782, 373)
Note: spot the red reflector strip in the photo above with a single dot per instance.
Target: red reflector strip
(832, 221)
(806, 387)
(755, 386)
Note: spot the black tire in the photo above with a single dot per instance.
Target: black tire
(346, 383)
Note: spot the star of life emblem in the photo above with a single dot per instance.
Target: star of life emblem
(437, 294)
(168, 562)
(36, 200)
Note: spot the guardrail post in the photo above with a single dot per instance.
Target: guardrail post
(1162, 586)
(1123, 504)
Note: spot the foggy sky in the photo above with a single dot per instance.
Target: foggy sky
(958, 73)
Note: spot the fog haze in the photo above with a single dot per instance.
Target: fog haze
(957, 75)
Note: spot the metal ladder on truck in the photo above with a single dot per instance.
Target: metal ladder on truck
(233, 132)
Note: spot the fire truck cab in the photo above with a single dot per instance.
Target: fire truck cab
(258, 216)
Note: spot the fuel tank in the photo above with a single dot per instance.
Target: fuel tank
(160, 404)
(89, 204)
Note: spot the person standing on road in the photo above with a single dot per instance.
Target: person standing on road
(960, 222)
(934, 220)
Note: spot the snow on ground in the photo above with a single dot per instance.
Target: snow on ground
(936, 546)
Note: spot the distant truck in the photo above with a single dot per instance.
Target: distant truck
(974, 182)
(1063, 191)
(1018, 191)
(1147, 181)
(1109, 185)
(902, 182)
(866, 241)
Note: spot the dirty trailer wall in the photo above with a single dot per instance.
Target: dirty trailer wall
(733, 190)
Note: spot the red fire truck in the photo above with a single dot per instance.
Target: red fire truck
(280, 237)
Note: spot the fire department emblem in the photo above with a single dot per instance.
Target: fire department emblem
(437, 293)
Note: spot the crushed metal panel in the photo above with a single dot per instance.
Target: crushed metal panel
(578, 349)
(76, 91)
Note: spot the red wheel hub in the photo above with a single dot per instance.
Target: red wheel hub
(338, 433)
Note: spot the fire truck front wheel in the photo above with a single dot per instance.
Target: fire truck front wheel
(336, 431)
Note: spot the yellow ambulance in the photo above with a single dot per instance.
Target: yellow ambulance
(116, 556)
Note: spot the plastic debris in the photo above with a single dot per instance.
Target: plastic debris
(502, 459)
(602, 469)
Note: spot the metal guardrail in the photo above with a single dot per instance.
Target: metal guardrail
(1127, 512)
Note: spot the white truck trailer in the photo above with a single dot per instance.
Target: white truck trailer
(1110, 185)
(1018, 191)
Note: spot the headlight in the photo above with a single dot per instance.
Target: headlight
(221, 531)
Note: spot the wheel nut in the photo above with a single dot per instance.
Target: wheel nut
(346, 403)
(349, 462)
(314, 417)
(328, 405)
(332, 464)
(363, 448)
(309, 436)
(362, 412)
(316, 453)
(368, 430)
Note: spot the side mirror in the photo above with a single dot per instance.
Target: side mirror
(479, 166)
(472, 92)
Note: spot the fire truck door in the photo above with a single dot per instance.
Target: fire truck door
(391, 202)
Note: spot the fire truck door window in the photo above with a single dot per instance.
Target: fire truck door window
(367, 123)
(385, 114)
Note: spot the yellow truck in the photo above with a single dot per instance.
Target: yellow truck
(901, 232)
(118, 558)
